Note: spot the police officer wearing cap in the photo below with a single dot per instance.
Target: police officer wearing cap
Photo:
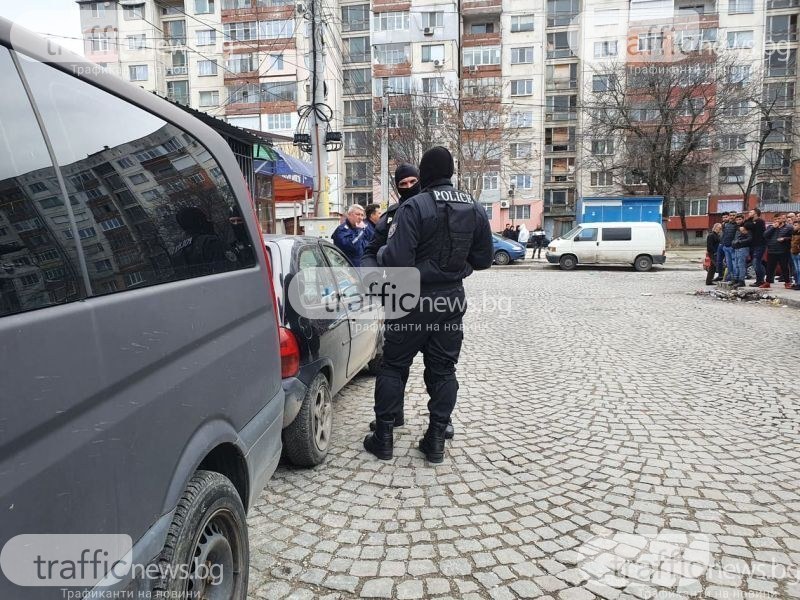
(446, 235)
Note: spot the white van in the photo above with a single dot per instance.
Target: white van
(637, 244)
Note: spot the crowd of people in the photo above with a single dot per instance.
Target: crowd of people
(742, 240)
(535, 239)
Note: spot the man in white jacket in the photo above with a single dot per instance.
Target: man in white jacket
(524, 236)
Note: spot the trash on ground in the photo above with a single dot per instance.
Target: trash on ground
(740, 295)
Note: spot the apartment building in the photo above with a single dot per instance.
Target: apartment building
(244, 61)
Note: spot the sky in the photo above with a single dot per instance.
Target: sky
(56, 17)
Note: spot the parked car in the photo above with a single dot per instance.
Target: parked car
(641, 244)
(138, 334)
(319, 356)
(506, 251)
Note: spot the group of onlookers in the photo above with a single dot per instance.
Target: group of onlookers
(742, 239)
(537, 239)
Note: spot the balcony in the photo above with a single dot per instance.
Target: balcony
(177, 71)
(560, 53)
(560, 148)
(560, 115)
(562, 84)
(481, 7)
(561, 19)
(781, 4)
(357, 57)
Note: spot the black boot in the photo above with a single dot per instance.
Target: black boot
(399, 421)
(381, 443)
(432, 445)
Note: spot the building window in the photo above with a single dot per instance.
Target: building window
(206, 68)
(206, 37)
(522, 181)
(477, 56)
(741, 40)
(736, 109)
(98, 9)
(138, 178)
(603, 147)
(521, 56)
(357, 112)
(779, 94)
(732, 142)
(522, 87)
(521, 150)
(433, 53)
(391, 21)
(488, 208)
(271, 30)
(203, 7)
(50, 202)
(242, 32)
(355, 18)
(601, 178)
(780, 63)
(103, 265)
(651, 42)
(739, 74)
(736, 7)
(279, 121)
(138, 72)
(603, 83)
(392, 54)
(521, 23)
(358, 81)
(29, 280)
(356, 174)
(210, 98)
(731, 174)
(37, 187)
(605, 49)
(178, 91)
(520, 212)
(491, 180)
(433, 85)
(357, 50)
(432, 19)
(137, 42)
(275, 62)
(356, 143)
(521, 119)
(133, 13)
(398, 85)
(481, 86)
(279, 91)
(480, 28)
(240, 63)
(99, 44)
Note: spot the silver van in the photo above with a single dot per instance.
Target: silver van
(140, 368)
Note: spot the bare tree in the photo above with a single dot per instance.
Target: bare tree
(662, 116)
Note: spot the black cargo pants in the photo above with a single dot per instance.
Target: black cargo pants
(434, 328)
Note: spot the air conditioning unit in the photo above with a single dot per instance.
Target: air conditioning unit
(472, 69)
(504, 204)
(438, 63)
(427, 31)
(300, 8)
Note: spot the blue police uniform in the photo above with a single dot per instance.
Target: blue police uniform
(446, 235)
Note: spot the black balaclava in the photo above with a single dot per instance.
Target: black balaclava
(436, 164)
(406, 170)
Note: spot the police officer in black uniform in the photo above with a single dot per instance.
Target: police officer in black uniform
(446, 235)
(406, 179)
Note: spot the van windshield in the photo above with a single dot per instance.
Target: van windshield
(571, 233)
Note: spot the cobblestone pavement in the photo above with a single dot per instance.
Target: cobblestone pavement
(602, 450)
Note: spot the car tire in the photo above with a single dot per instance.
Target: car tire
(501, 257)
(307, 439)
(568, 262)
(643, 263)
(209, 532)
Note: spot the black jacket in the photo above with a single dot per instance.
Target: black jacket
(381, 232)
(712, 244)
(756, 227)
(443, 232)
(728, 233)
(773, 245)
(742, 240)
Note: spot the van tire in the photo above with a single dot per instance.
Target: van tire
(209, 524)
(568, 262)
(501, 257)
(304, 443)
(643, 263)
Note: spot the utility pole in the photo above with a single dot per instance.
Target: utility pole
(319, 154)
(385, 148)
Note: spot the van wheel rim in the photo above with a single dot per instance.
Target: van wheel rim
(213, 571)
(323, 419)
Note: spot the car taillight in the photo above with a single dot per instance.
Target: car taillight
(290, 354)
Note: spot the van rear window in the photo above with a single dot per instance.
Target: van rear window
(616, 234)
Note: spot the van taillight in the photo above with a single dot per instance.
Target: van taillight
(290, 354)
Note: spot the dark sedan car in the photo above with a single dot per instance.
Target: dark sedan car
(321, 350)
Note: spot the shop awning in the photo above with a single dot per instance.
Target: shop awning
(292, 178)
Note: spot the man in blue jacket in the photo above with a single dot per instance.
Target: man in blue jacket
(729, 230)
(353, 236)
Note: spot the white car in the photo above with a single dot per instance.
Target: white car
(639, 244)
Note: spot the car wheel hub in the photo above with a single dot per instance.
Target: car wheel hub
(323, 420)
(212, 575)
